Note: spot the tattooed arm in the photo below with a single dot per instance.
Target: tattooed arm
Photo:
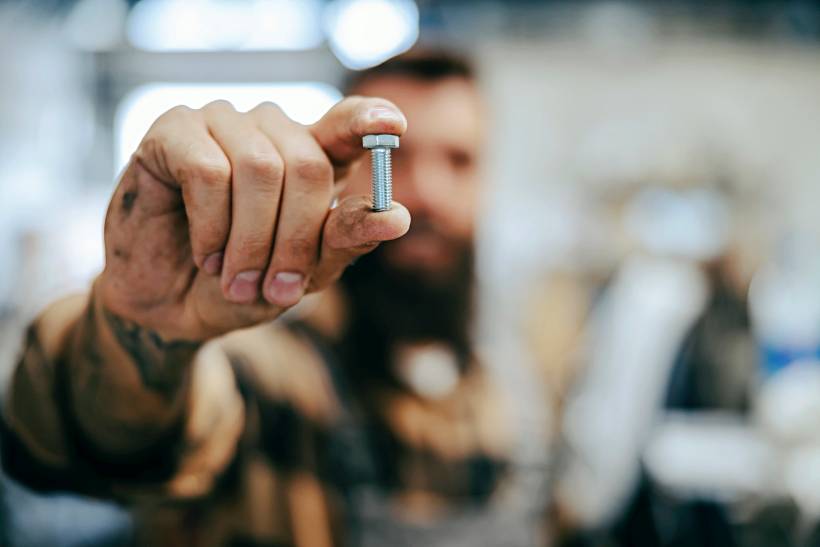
(104, 407)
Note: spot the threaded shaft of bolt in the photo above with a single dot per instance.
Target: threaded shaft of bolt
(382, 178)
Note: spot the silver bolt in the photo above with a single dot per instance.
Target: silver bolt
(381, 168)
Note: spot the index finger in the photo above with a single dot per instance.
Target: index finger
(351, 230)
(179, 151)
(340, 131)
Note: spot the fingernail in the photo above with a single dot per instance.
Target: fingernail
(286, 288)
(383, 113)
(245, 286)
(212, 263)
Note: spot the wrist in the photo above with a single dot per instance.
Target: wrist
(124, 304)
(160, 357)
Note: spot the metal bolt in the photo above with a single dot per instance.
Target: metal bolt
(381, 168)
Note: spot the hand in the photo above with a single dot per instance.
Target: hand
(222, 219)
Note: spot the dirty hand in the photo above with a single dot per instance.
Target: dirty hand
(222, 219)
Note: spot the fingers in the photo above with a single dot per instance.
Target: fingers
(178, 150)
(257, 189)
(257, 177)
(306, 198)
(340, 131)
(351, 230)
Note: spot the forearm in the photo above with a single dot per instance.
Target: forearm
(127, 387)
(93, 393)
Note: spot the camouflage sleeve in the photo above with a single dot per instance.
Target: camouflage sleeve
(102, 406)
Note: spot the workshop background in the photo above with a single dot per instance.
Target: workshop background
(654, 175)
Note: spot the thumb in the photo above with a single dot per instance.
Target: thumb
(340, 131)
(351, 230)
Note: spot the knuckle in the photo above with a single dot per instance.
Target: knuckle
(250, 247)
(212, 173)
(315, 171)
(219, 105)
(266, 169)
(171, 120)
(208, 236)
(205, 171)
(151, 146)
(267, 108)
(179, 112)
(297, 251)
(175, 121)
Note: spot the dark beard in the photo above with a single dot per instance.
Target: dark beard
(390, 306)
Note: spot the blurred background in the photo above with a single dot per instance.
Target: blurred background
(654, 174)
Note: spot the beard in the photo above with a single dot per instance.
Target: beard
(391, 305)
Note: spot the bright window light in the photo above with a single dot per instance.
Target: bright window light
(206, 25)
(363, 33)
(285, 25)
(304, 102)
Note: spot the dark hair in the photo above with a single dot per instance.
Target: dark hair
(428, 65)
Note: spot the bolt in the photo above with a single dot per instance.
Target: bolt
(381, 169)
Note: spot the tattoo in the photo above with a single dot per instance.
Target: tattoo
(34, 355)
(87, 351)
(160, 363)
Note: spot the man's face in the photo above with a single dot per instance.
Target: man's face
(435, 171)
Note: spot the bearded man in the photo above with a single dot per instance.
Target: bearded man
(365, 416)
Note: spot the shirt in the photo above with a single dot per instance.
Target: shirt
(270, 443)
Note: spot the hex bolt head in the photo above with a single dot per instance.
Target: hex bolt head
(385, 141)
(381, 169)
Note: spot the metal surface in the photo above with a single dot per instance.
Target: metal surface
(381, 169)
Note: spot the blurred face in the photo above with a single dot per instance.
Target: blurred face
(435, 172)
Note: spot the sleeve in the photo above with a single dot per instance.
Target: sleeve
(98, 407)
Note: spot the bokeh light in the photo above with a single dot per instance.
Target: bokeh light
(363, 33)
